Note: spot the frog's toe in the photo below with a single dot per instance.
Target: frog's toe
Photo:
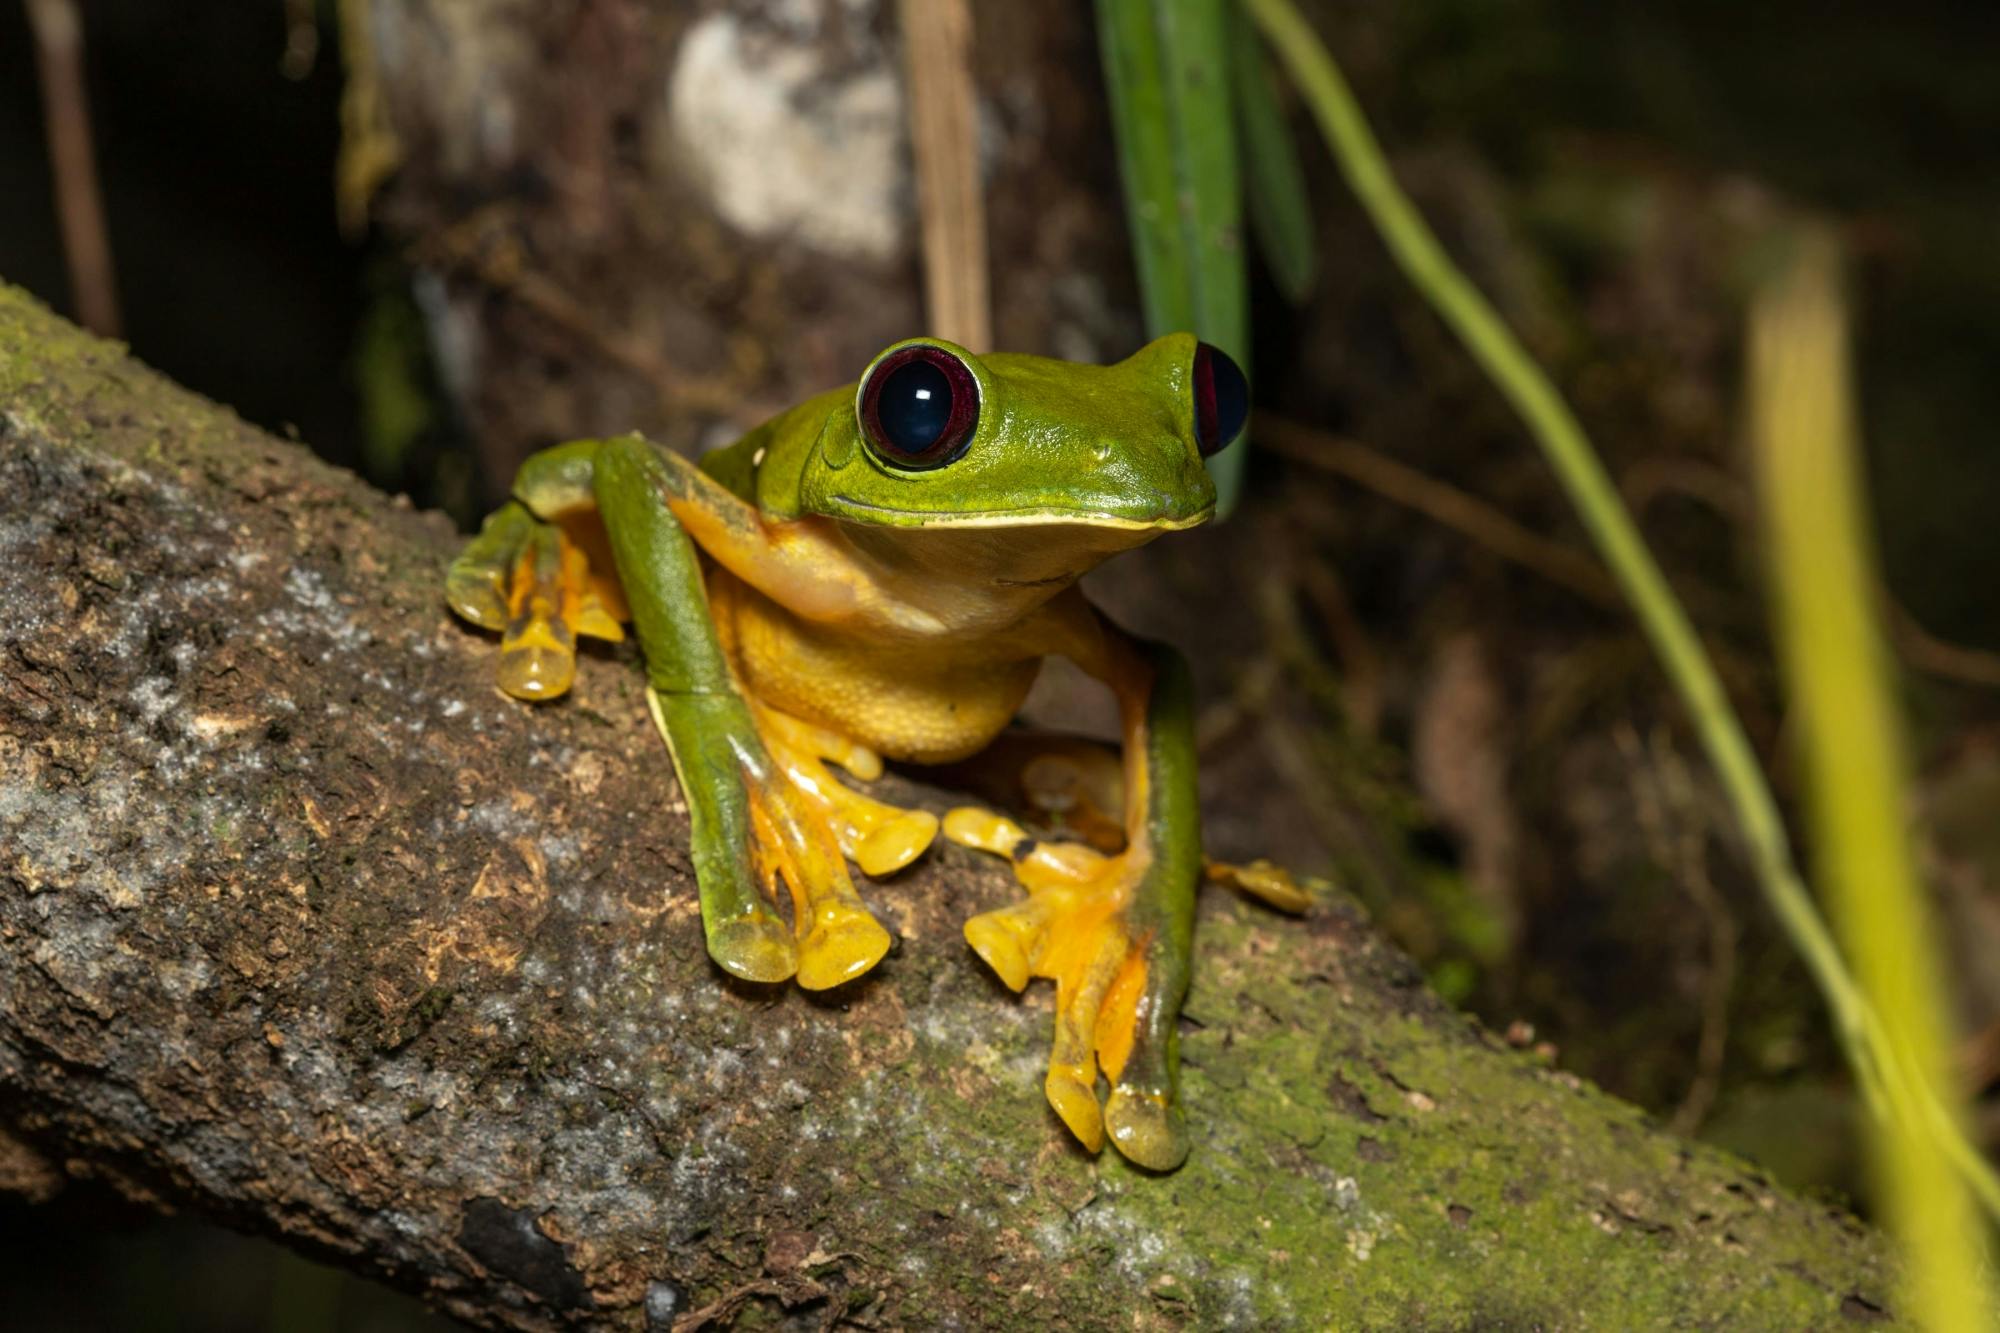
(1134, 1034)
(1263, 880)
(1084, 962)
(476, 585)
(1008, 939)
(897, 840)
(755, 948)
(1143, 1115)
(842, 943)
(1075, 1100)
(1147, 1127)
(537, 658)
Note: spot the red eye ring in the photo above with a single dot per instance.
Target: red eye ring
(918, 407)
(1221, 399)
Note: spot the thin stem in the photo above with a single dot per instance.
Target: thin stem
(1487, 524)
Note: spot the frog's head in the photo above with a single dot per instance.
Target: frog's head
(1093, 458)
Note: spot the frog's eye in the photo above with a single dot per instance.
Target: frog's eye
(919, 406)
(1221, 399)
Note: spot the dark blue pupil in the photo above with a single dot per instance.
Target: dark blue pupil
(914, 406)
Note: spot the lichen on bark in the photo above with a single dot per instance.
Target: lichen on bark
(305, 927)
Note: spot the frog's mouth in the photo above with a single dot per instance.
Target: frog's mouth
(1037, 549)
(1036, 516)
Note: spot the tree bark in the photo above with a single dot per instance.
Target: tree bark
(305, 927)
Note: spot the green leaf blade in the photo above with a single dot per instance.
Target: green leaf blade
(1280, 207)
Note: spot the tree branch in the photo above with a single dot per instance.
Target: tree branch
(305, 927)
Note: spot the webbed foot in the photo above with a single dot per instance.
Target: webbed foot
(1108, 921)
(1119, 978)
(533, 581)
(1075, 784)
(811, 824)
(879, 838)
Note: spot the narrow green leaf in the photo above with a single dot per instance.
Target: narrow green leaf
(1167, 70)
(1280, 210)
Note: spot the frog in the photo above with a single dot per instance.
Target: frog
(879, 574)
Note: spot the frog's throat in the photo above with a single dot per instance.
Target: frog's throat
(1040, 516)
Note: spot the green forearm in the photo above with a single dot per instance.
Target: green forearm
(1165, 909)
(706, 724)
(660, 570)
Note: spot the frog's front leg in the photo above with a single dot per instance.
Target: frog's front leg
(751, 824)
(1114, 932)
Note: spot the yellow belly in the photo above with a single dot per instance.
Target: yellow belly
(922, 700)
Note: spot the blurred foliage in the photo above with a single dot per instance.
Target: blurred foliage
(1889, 1061)
(407, 439)
(1896, 1070)
(399, 405)
(1274, 183)
(1884, 117)
(1850, 740)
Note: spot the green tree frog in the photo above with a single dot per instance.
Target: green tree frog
(878, 573)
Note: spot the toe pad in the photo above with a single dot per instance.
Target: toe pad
(1146, 1128)
(755, 948)
(841, 950)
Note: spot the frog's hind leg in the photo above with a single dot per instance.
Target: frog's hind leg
(1114, 932)
(1111, 924)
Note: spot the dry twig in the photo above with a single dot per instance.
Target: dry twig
(1444, 504)
(58, 29)
(937, 40)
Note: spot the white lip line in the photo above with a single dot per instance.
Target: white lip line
(1016, 518)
